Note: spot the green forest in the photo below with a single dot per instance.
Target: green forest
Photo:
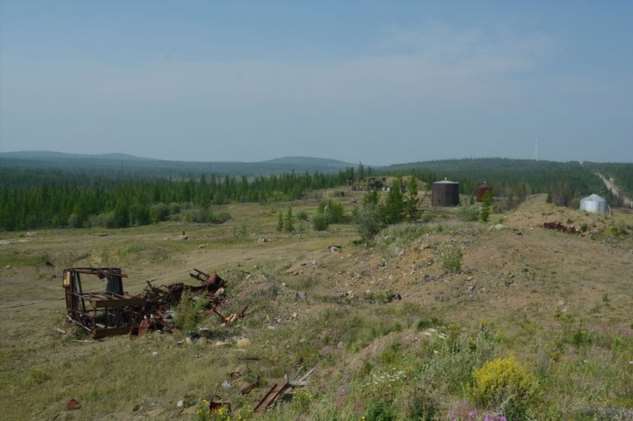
(46, 199)
(49, 198)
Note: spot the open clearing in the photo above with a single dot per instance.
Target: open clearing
(559, 302)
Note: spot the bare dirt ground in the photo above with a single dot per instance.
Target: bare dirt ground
(313, 307)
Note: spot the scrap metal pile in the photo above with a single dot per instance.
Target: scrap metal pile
(557, 226)
(115, 312)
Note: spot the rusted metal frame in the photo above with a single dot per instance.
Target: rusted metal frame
(98, 271)
(259, 406)
(276, 391)
(78, 323)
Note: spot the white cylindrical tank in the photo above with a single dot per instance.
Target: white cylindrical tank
(594, 204)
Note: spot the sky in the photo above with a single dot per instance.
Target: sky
(377, 82)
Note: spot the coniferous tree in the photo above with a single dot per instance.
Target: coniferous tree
(411, 200)
(371, 198)
(486, 205)
(394, 204)
(289, 221)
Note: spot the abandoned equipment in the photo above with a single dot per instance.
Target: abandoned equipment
(115, 312)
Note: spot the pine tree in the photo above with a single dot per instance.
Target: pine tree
(484, 215)
(280, 222)
(371, 198)
(394, 204)
(289, 222)
(411, 201)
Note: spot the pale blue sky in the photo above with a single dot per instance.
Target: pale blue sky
(372, 81)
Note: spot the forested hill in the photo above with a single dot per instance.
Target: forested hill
(123, 164)
(540, 175)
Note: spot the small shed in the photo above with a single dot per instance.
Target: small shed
(445, 193)
(594, 204)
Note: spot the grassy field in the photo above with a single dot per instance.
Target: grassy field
(545, 315)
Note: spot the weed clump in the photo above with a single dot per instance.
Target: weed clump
(380, 411)
(369, 222)
(468, 213)
(451, 257)
(189, 313)
(505, 384)
(320, 222)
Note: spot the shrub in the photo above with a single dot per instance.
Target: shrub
(369, 222)
(449, 360)
(320, 222)
(505, 384)
(204, 216)
(280, 221)
(393, 209)
(74, 221)
(422, 406)
(138, 214)
(333, 211)
(289, 221)
(174, 208)
(451, 257)
(486, 207)
(468, 213)
(240, 232)
(189, 313)
(302, 216)
(158, 212)
(401, 235)
(380, 411)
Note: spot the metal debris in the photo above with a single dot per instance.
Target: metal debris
(73, 404)
(557, 226)
(278, 390)
(114, 312)
(231, 318)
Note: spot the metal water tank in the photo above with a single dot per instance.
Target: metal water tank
(445, 193)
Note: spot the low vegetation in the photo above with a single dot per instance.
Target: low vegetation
(406, 313)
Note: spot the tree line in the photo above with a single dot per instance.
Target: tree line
(39, 199)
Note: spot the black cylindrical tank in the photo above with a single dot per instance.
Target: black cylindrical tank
(445, 193)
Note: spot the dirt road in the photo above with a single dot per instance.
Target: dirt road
(615, 190)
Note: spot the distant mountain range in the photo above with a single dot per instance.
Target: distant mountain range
(133, 164)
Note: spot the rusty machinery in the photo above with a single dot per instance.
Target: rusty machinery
(107, 313)
(115, 312)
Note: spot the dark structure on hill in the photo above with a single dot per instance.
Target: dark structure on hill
(483, 190)
(445, 193)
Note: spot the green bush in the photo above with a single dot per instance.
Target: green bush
(333, 211)
(486, 207)
(302, 215)
(369, 222)
(400, 235)
(289, 221)
(449, 360)
(506, 385)
(174, 208)
(189, 313)
(380, 411)
(204, 216)
(451, 257)
(422, 406)
(74, 221)
(159, 212)
(468, 213)
(320, 222)
(240, 232)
